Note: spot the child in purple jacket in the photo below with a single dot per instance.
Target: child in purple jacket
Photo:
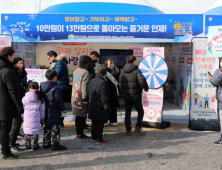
(34, 111)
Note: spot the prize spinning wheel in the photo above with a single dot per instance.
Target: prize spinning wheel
(155, 70)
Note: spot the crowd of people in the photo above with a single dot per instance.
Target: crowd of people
(94, 93)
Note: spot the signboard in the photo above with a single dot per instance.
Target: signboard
(214, 43)
(102, 27)
(204, 104)
(212, 20)
(37, 75)
(5, 42)
(153, 100)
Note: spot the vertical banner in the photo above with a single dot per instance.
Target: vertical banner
(204, 104)
(5, 42)
(153, 100)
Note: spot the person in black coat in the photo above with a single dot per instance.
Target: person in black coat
(10, 100)
(21, 79)
(54, 111)
(132, 83)
(112, 77)
(99, 107)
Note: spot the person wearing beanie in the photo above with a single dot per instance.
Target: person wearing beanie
(132, 84)
(81, 77)
(99, 104)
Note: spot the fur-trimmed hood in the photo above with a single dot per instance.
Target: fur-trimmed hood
(62, 57)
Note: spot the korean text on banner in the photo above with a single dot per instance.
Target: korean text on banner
(214, 43)
(153, 100)
(204, 104)
(37, 75)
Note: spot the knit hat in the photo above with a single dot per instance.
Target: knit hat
(101, 69)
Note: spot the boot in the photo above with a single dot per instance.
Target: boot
(139, 131)
(58, 147)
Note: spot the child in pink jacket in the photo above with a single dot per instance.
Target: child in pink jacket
(34, 111)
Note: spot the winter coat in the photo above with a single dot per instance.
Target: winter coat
(34, 112)
(53, 102)
(92, 70)
(217, 81)
(79, 92)
(132, 83)
(98, 97)
(60, 66)
(22, 79)
(114, 101)
(10, 100)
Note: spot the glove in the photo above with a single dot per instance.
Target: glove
(42, 122)
(63, 114)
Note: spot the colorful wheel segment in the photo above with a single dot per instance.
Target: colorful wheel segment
(155, 70)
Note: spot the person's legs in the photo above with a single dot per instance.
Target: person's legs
(94, 129)
(34, 142)
(100, 126)
(47, 137)
(77, 125)
(5, 127)
(15, 130)
(27, 139)
(128, 109)
(139, 108)
(207, 104)
(113, 114)
(56, 138)
(81, 125)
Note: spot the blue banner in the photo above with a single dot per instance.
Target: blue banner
(102, 28)
(212, 20)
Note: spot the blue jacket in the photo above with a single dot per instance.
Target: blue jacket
(53, 103)
(62, 73)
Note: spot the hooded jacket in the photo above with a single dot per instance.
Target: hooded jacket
(53, 102)
(60, 66)
(81, 79)
(10, 100)
(132, 83)
(34, 112)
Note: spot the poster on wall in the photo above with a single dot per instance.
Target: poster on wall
(204, 104)
(37, 75)
(5, 42)
(153, 100)
(214, 43)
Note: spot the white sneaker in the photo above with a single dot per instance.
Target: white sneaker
(113, 124)
(106, 124)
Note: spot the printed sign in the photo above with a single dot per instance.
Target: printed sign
(5, 42)
(102, 27)
(153, 100)
(37, 75)
(204, 104)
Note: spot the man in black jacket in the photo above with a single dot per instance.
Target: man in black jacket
(10, 101)
(132, 83)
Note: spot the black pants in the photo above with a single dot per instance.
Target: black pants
(5, 127)
(97, 129)
(128, 108)
(51, 135)
(206, 104)
(80, 123)
(15, 129)
(113, 114)
(31, 141)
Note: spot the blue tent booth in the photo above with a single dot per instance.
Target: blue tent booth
(104, 22)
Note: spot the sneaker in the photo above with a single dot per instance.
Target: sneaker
(139, 131)
(16, 149)
(58, 147)
(98, 142)
(219, 142)
(128, 132)
(82, 136)
(10, 156)
(113, 124)
(93, 140)
(47, 146)
(87, 129)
